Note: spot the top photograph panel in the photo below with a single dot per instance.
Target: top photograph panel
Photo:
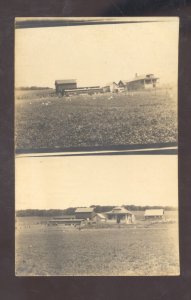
(96, 85)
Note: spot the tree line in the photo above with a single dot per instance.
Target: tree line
(71, 210)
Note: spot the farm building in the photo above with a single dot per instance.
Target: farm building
(84, 213)
(84, 90)
(99, 218)
(139, 82)
(64, 217)
(62, 85)
(121, 215)
(66, 221)
(110, 87)
(153, 214)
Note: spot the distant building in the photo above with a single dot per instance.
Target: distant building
(62, 85)
(110, 87)
(99, 218)
(153, 214)
(84, 213)
(64, 217)
(66, 221)
(139, 82)
(84, 90)
(121, 215)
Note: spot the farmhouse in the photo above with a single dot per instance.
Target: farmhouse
(86, 213)
(62, 85)
(153, 214)
(139, 82)
(110, 87)
(121, 215)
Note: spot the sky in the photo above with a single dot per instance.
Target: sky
(96, 54)
(62, 182)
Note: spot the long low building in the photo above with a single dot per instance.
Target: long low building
(153, 214)
(84, 90)
(66, 222)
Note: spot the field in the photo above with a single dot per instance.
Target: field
(46, 121)
(139, 250)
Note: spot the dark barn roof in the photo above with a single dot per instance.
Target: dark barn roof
(68, 81)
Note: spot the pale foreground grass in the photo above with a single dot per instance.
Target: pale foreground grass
(130, 251)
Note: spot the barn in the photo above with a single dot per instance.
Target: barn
(86, 213)
(154, 214)
(139, 82)
(62, 85)
(121, 215)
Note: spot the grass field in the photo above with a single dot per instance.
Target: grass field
(45, 121)
(130, 250)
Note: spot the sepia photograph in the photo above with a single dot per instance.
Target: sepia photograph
(97, 216)
(96, 144)
(96, 84)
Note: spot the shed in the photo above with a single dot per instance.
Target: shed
(84, 213)
(62, 85)
(110, 87)
(99, 218)
(154, 214)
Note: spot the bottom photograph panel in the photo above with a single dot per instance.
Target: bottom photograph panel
(97, 216)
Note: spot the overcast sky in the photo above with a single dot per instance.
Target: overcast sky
(61, 182)
(96, 54)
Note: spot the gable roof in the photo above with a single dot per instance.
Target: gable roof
(154, 212)
(110, 83)
(119, 210)
(139, 77)
(65, 81)
(84, 209)
(101, 216)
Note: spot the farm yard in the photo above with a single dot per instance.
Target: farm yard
(43, 120)
(139, 250)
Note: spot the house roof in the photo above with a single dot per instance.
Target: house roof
(119, 210)
(154, 212)
(65, 81)
(84, 209)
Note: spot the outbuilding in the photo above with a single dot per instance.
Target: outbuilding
(66, 222)
(99, 218)
(154, 214)
(110, 87)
